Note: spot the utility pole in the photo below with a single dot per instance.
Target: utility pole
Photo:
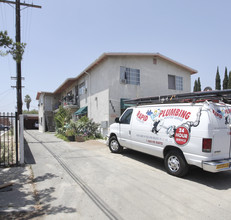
(18, 64)
(18, 40)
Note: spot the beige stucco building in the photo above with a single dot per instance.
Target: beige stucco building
(101, 88)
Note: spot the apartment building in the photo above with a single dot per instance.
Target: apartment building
(99, 91)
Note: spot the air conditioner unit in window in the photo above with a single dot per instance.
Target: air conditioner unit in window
(123, 81)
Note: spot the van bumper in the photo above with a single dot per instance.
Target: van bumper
(217, 165)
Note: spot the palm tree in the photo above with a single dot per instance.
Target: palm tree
(27, 100)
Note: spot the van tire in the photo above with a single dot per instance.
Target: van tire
(114, 145)
(175, 163)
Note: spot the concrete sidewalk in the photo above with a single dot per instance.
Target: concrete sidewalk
(18, 200)
(32, 184)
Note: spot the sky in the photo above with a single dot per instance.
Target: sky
(64, 37)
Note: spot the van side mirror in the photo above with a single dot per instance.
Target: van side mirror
(117, 120)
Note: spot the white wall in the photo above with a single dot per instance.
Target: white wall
(153, 79)
(98, 109)
(49, 102)
(41, 113)
(46, 103)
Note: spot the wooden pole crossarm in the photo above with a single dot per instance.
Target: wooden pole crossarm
(23, 4)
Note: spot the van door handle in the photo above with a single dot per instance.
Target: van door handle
(129, 132)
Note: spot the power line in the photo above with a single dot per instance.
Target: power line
(3, 21)
(18, 5)
(27, 21)
(5, 92)
(30, 90)
(7, 16)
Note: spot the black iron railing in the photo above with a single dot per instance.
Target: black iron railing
(8, 139)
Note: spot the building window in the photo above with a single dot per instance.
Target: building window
(175, 82)
(179, 83)
(82, 88)
(129, 76)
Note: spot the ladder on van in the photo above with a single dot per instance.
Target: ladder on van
(221, 95)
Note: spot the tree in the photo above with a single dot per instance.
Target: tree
(225, 80)
(199, 84)
(27, 100)
(195, 88)
(16, 49)
(62, 118)
(218, 80)
(229, 81)
(33, 111)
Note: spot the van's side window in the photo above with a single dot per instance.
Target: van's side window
(126, 118)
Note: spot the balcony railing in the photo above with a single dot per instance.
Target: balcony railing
(70, 104)
(67, 104)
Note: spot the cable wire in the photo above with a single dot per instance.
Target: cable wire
(4, 92)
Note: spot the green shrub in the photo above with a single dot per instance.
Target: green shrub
(70, 132)
(62, 118)
(86, 127)
(61, 136)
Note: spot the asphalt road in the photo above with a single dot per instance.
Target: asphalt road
(85, 181)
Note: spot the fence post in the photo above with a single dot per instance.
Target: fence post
(16, 136)
(21, 138)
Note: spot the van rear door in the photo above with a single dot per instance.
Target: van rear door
(221, 131)
(230, 141)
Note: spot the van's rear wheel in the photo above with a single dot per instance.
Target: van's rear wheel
(114, 145)
(176, 164)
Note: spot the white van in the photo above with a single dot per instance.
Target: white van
(182, 133)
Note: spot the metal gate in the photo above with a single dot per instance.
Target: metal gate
(8, 139)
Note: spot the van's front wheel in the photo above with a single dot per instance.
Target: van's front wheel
(176, 164)
(114, 145)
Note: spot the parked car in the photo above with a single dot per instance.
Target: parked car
(36, 125)
(4, 127)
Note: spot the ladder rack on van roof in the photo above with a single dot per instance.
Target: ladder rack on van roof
(216, 95)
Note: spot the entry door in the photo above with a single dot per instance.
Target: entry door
(125, 128)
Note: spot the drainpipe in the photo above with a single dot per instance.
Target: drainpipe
(89, 104)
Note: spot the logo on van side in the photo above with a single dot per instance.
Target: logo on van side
(181, 135)
(222, 112)
(217, 113)
(175, 112)
(141, 116)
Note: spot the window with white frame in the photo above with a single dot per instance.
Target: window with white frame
(82, 88)
(129, 76)
(175, 82)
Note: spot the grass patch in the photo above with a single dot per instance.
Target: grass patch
(6, 154)
(61, 136)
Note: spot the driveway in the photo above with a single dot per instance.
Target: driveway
(85, 181)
